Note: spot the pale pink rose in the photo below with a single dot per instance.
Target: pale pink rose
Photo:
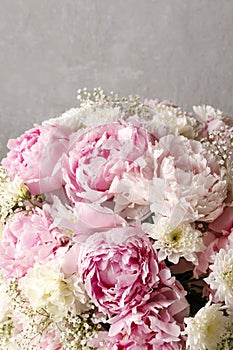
(102, 156)
(37, 157)
(188, 183)
(149, 326)
(120, 268)
(27, 238)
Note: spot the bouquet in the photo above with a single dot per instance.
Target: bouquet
(116, 223)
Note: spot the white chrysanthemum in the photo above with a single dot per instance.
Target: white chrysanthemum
(172, 118)
(12, 193)
(175, 242)
(221, 277)
(46, 287)
(205, 330)
(203, 113)
(85, 116)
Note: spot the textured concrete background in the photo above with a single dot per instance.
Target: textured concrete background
(175, 49)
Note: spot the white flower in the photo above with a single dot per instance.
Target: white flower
(85, 116)
(64, 216)
(221, 277)
(170, 117)
(46, 287)
(204, 113)
(5, 302)
(174, 242)
(205, 330)
(12, 193)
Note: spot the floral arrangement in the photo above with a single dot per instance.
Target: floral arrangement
(116, 223)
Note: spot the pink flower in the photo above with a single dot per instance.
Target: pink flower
(100, 157)
(188, 183)
(152, 326)
(120, 268)
(25, 239)
(37, 157)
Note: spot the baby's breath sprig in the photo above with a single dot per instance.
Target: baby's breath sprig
(78, 331)
(37, 321)
(130, 106)
(220, 144)
(6, 330)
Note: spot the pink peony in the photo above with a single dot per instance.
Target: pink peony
(37, 157)
(100, 158)
(120, 268)
(188, 183)
(152, 326)
(25, 239)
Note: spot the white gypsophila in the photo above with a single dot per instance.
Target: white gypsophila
(174, 242)
(45, 287)
(85, 116)
(205, 330)
(220, 278)
(172, 118)
(5, 311)
(204, 113)
(12, 193)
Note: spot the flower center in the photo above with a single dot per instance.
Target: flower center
(228, 278)
(176, 235)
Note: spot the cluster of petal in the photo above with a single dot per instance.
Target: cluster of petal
(175, 242)
(87, 115)
(27, 238)
(169, 119)
(205, 330)
(46, 287)
(103, 154)
(187, 181)
(37, 157)
(120, 269)
(220, 278)
(152, 326)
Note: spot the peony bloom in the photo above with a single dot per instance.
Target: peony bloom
(152, 326)
(100, 158)
(204, 331)
(220, 278)
(188, 184)
(120, 268)
(27, 238)
(46, 287)
(37, 157)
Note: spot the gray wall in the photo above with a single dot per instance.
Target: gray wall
(176, 49)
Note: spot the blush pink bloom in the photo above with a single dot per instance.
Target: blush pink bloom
(188, 183)
(152, 326)
(37, 157)
(120, 268)
(25, 239)
(99, 157)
